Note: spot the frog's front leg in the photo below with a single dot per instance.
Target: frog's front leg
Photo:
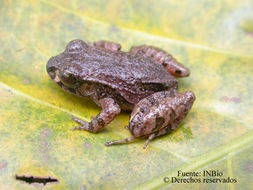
(168, 61)
(110, 109)
(108, 45)
(122, 141)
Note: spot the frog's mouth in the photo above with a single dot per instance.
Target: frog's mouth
(54, 74)
(52, 67)
(56, 78)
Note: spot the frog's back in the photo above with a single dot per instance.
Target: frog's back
(132, 76)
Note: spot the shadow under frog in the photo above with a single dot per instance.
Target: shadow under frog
(141, 80)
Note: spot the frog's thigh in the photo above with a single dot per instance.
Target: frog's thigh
(108, 45)
(164, 58)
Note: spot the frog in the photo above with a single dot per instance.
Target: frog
(143, 81)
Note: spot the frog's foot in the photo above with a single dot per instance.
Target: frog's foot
(108, 45)
(130, 139)
(168, 61)
(84, 124)
(120, 141)
(162, 131)
(79, 121)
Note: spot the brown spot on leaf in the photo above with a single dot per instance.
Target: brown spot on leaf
(236, 99)
(87, 145)
(248, 166)
(20, 49)
(45, 133)
(26, 81)
(230, 99)
(44, 145)
(3, 165)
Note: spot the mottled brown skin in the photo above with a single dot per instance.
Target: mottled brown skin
(170, 63)
(158, 114)
(117, 80)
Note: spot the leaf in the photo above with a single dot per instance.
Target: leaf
(36, 139)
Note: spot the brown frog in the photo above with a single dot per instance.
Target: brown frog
(142, 80)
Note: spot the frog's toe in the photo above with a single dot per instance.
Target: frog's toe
(75, 128)
(108, 143)
(79, 121)
(84, 124)
(79, 128)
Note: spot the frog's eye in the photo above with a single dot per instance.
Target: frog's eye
(68, 79)
(75, 46)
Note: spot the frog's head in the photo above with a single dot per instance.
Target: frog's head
(63, 68)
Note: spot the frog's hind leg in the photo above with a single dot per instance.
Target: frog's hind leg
(122, 141)
(110, 109)
(108, 45)
(151, 137)
(168, 61)
(162, 131)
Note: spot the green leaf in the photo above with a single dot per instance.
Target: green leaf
(36, 140)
